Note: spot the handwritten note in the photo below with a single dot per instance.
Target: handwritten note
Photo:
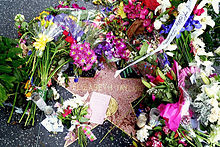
(99, 104)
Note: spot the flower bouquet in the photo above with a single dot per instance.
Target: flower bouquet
(75, 114)
(56, 38)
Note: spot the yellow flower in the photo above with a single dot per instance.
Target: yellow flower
(121, 10)
(28, 94)
(41, 41)
(26, 85)
(73, 18)
(44, 14)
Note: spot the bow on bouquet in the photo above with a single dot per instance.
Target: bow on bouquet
(75, 114)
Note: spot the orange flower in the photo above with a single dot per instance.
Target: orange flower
(26, 85)
(28, 94)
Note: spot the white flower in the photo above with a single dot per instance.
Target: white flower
(214, 3)
(157, 24)
(143, 134)
(55, 93)
(60, 79)
(213, 117)
(211, 90)
(170, 48)
(217, 51)
(164, 18)
(164, 4)
(19, 18)
(214, 102)
(181, 7)
(215, 135)
(204, 20)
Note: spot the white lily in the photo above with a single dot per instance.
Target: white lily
(214, 3)
(217, 51)
(164, 4)
(170, 48)
(204, 19)
(198, 44)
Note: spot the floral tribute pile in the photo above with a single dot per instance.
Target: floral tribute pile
(181, 103)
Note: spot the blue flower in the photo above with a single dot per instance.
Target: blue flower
(29, 52)
(165, 60)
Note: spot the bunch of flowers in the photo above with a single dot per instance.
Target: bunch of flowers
(54, 39)
(113, 48)
(83, 56)
(75, 114)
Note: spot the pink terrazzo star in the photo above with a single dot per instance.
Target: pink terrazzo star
(124, 91)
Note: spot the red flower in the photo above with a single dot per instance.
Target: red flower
(151, 4)
(169, 76)
(65, 33)
(69, 39)
(67, 112)
(158, 135)
(49, 83)
(158, 80)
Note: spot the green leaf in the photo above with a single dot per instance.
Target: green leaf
(83, 119)
(5, 69)
(7, 78)
(13, 52)
(134, 143)
(3, 94)
(144, 48)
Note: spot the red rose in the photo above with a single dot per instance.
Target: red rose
(151, 4)
(65, 33)
(69, 39)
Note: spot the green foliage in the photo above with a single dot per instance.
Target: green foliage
(11, 72)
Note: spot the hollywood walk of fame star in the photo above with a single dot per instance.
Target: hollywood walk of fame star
(124, 91)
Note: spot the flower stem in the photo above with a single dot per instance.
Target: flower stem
(16, 94)
(24, 112)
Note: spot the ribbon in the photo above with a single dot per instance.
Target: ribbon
(178, 24)
(71, 137)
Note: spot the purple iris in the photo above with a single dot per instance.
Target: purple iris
(29, 52)
(66, 22)
(166, 29)
(165, 60)
(189, 25)
(107, 9)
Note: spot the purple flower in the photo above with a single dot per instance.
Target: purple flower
(29, 52)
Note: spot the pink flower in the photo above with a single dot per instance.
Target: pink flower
(93, 58)
(72, 53)
(147, 22)
(166, 130)
(198, 12)
(82, 61)
(74, 46)
(153, 97)
(86, 45)
(87, 67)
(143, 13)
(182, 142)
(150, 28)
(67, 112)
